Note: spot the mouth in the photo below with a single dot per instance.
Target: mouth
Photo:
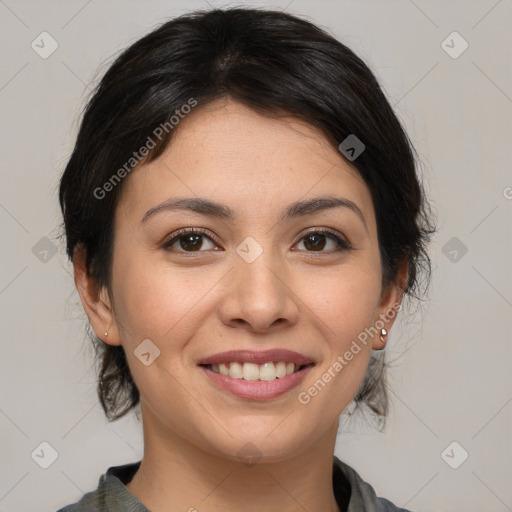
(256, 375)
(266, 372)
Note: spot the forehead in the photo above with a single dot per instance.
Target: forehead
(229, 152)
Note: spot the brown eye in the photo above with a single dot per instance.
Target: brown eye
(190, 241)
(317, 241)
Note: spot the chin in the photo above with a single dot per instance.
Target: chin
(260, 446)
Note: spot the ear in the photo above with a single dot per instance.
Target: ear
(391, 300)
(96, 302)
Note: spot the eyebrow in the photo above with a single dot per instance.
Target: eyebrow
(217, 210)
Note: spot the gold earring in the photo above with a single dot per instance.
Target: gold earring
(383, 333)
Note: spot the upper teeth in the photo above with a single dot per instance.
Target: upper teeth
(250, 371)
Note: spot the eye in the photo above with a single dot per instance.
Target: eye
(317, 241)
(190, 240)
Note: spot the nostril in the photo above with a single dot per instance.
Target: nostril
(239, 321)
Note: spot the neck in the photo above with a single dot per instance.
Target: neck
(177, 475)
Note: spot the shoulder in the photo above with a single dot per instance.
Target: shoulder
(93, 501)
(362, 494)
(111, 495)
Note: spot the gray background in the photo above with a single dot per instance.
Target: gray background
(451, 381)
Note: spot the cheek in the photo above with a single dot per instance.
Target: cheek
(155, 300)
(344, 306)
(158, 303)
(345, 300)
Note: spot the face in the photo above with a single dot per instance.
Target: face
(279, 262)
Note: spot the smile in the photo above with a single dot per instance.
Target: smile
(255, 375)
(252, 372)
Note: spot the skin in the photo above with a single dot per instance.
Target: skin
(196, 304)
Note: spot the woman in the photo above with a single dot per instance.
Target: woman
(244, 219)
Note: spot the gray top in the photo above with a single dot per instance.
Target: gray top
(351, 492)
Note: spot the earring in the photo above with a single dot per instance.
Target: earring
(106, 333)
(383, 334)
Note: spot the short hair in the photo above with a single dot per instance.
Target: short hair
(278, 65)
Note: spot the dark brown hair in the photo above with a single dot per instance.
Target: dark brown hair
(276, 64)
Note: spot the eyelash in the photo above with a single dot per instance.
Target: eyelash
(343, 245)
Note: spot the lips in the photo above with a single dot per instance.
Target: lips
(257, 357)
(237, 372)
(257, 390)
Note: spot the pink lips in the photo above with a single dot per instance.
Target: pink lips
(251, 356)
(257, 390)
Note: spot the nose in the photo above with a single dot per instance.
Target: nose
(258, 297)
